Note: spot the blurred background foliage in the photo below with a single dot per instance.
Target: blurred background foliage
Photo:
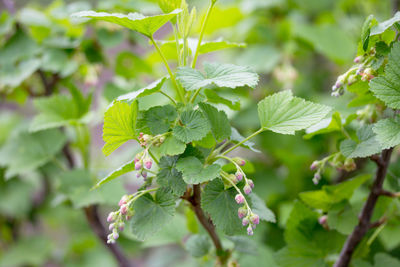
(293, 44)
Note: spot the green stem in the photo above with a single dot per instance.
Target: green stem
(172, 76)
(178, 46)
(238, 190)
(170, 98)
(203, 27)
(59, 164)
(241, 142)
(153, 157)
(195, 95)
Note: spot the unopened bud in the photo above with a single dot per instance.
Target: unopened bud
(250, 182)
(250, 230)
(148, 163)
(138, 166)
(111, 217)
(239, 175)
(323, 220)
(115, 235)
(123, 200)
(239, 198)
(358, 59)
(247, 189)
(254, 218)
(144, 174)
(138, 175)
(110, 241)
(121, 226)
(352, 79)
(316, 178)
(314, 165)
(124, 209)
(242, 211)
(245, 221)
(360, 71)
(239, 161)
(338, 84)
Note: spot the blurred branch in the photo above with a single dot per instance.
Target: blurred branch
(364, 223)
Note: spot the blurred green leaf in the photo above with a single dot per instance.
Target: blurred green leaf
(194, 172)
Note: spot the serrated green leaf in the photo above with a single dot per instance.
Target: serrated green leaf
(384, 25)
(343, 220)
(207, 142)
(127, 167)
(151, 214)
(283, 113)
(160, 118)
(366, 30)
(218, 120)
(366, 145)
(172, 146)
(221, 206)
(388, 132)
(28, 151)
(169, 5)
(55, 111)
(194, 172)
(383, 259)
(146, 25)
(119, 125)
(258, 206)
(220, 75)
(194, 126)
(329, 195)
(213, 97)
(168, 176)
(386, 87)
(148, 90)
(198, 245)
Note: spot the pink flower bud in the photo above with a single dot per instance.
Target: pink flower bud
(115, 235)
(250, 230)
(250, 182)
(358, 59)
(245, 221)
(138, 175)
(138, 166)
(148, 163)
(239, 198)
(247, 189)
(123, 200)
(316, 178)
(254, 218)
(111, 217)
(124, 209)
(121, 226)
(144, 174)
(111, 226)
(242, 212)
(314, 166)
(338, 84)
(239, 161)
(127, 218)
(239, 176)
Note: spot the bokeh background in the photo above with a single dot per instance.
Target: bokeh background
(301, 45)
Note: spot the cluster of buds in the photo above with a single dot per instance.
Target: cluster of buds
(249, 218)
(337, 160)
(147, 140)
(117, 218)
(142, 162)
(366, 74)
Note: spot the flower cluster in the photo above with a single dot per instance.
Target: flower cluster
(117, 218)
(361, 68)
(337, 160)
(245, 213)
(142, 162)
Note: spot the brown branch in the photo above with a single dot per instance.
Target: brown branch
(386, 193)
(378, 222)
(195, 201)
(366, 213)
(48, 85)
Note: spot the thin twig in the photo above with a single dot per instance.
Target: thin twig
(364, 223)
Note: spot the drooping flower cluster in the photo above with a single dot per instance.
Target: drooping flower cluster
(249, 218)
(337, 160)
(117, 218)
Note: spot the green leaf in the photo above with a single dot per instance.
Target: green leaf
(212, 46)
(148, 90)
(343, 220)
(213, 97)
(55, 111)
(366, 145)
(198, 245)
(160, 118)
(384, 25)
(325, 126)
(169, 176)
(119, 125)
(151, 214)
(283, 113)
(194, 172)
(76, 185)
(172, 146)
(388, 132)
(26, 152)
(386, 87)
(127, 167)
(220, 204)
(194, 126)
(330, 195)
(220, 75)
(383, 259)
(366, 30)
(13, 75)
(258, 206)
(169, 5)
(146, 25)
(219, 122)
